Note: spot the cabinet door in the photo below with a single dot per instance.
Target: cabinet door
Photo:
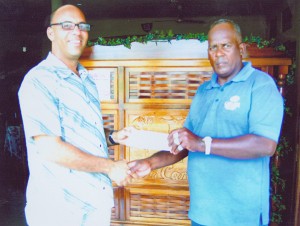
(155, 99)
(106, 80)
(163, 84)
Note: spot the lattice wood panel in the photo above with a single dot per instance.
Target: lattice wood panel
(165, 84)
(158, 205)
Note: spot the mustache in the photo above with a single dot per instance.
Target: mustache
(220, 61)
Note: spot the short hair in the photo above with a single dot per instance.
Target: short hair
(235, 26)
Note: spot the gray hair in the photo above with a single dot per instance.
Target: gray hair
(235, 26)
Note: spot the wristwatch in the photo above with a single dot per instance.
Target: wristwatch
(207, 142)
(111, 139)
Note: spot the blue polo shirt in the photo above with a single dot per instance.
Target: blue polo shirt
(224, 191)
(55, 101)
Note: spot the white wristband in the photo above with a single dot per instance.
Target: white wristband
(207, 142)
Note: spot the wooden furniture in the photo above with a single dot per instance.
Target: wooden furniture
(154, 94)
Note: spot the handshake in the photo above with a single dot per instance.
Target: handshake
(123, 172)
(176, 143)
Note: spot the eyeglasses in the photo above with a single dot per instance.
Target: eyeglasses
(68, 26)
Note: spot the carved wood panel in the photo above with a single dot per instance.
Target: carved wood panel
(163, 120)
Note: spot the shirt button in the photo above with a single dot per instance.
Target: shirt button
(100, 145)
(217, 100)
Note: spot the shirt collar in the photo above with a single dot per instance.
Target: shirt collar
(242, 76)
(65, 72)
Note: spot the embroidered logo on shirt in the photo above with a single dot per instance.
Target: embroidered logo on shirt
(233, 103)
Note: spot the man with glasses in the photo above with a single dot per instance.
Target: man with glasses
(70, 170)
(229, 135)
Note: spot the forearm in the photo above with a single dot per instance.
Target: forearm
(55, 150)
(244, 147)
(165, 158)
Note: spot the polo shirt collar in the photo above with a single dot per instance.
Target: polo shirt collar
(65, 72)
(242, 76)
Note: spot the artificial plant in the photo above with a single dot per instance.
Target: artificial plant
(161, 36)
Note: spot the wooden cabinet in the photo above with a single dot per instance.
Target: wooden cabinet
(154, 94)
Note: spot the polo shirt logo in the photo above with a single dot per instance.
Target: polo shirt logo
(233, 103)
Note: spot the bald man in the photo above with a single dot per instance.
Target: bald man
(70, 170)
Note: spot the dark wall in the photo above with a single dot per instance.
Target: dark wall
(22, 33)
(21, 45)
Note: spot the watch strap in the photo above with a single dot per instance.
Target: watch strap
(207, 141)
(111, 139)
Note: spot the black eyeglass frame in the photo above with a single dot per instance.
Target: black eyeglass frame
(86, 28)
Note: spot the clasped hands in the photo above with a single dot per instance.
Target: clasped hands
(124, 172)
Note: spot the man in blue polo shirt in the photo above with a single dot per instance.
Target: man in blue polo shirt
(230, 133)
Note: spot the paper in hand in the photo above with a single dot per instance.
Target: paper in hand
(144, 139)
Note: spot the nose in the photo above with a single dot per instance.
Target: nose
(219, 51)
(76, 29)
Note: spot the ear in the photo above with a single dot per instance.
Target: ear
(50, 33)
(243, 49)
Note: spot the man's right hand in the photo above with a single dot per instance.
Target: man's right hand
(119, 172)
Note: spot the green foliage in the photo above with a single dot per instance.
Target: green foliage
(287, 110)
(277, 182)
(283, 147)
(278, 208)
(156, 36)
(162, 36)
(290, 78)
(262, 43)
(282, 150)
